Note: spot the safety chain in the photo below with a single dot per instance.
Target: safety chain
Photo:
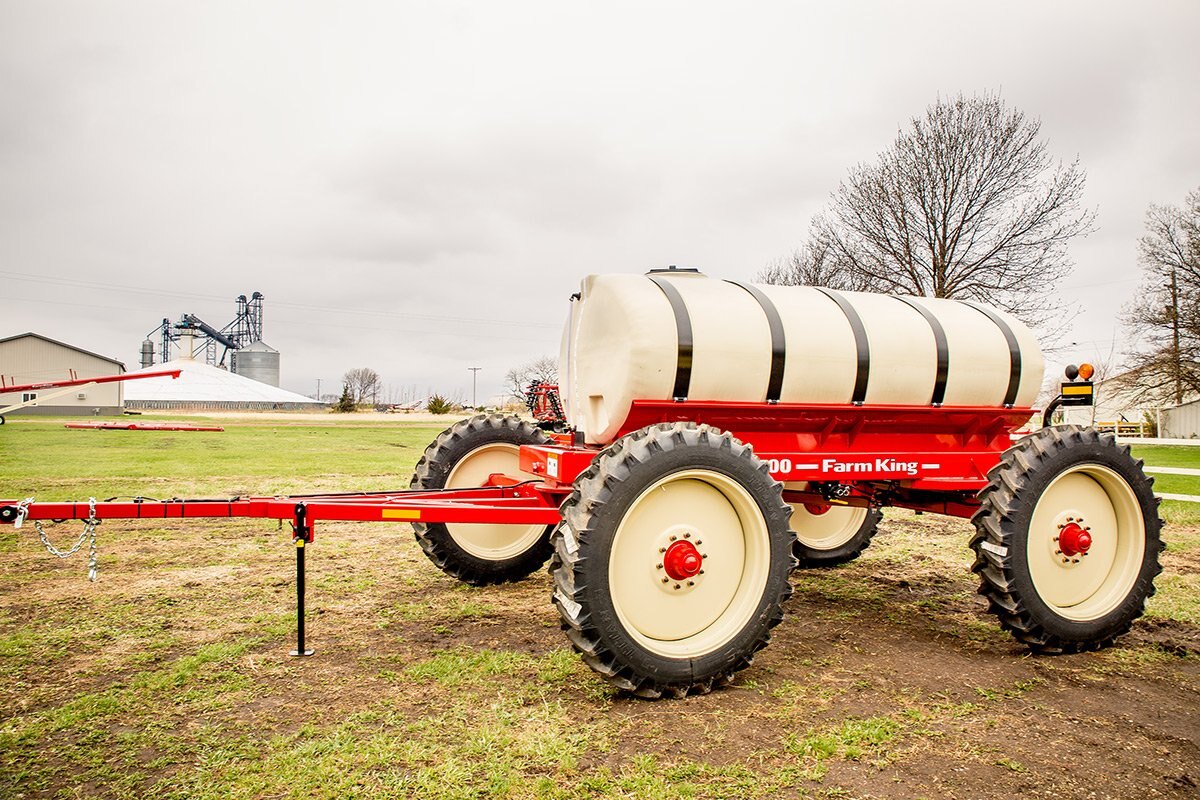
(89, 535)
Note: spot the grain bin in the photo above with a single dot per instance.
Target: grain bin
(257, 361)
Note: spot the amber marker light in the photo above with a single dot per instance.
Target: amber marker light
(1086, 371)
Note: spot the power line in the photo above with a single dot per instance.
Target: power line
(1103, 283)
(109, 287)
(307, 324)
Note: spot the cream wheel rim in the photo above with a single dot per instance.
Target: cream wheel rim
(1084, 586)
(827, 531)
(486, 541)
(722, 520)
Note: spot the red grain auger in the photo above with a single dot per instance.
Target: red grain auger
(718, 435)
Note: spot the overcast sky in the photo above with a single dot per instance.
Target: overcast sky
(418, 187)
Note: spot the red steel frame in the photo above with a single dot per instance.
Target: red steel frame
(927, 458)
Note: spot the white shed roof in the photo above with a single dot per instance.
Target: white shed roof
(199, 382)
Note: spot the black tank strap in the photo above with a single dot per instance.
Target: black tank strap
(861, 343)
(1014, 351)
(943, 350)
(683, 333)
(778, 342)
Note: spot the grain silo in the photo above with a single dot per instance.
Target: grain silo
(257, 361)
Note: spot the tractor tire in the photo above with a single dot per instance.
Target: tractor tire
(463, 456)
(828, 536)
(672, 562)
(1067, 540)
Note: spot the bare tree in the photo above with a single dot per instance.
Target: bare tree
(364, 384)
(1166, 312)
(517, 379)
(811, 265)
(967, 202)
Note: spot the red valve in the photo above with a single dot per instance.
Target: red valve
(682, 561)
(1073, 540)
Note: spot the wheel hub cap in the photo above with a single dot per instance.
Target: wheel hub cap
(1074, 540)
(817, 509)
(682, 561)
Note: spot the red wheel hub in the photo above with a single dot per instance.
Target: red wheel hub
(682, 561)
(1073, 540)
(817, 509)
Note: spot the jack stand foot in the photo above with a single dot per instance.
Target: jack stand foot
(303, 533)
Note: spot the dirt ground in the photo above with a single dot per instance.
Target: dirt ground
(886, 680)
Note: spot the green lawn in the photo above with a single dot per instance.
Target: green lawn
(1177, 484)
(40, 455)
(1181, 457)
(1166, 456)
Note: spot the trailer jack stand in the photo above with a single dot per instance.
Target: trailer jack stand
(302, 535)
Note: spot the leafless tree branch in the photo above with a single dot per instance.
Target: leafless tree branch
(967, 202)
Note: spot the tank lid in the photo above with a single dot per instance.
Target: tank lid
(673, 269)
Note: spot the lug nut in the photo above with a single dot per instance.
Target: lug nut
(704, 555)
(658, 566)
(662, 549)
(1058, 552)
(665, 580)
(674, 537)
(701, 572)
(1066, 561)
(677, 586)
(698, 542)
(691, 583)
(1074, 560)
(687, 536)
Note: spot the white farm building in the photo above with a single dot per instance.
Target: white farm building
(32, 358)
(201, 387)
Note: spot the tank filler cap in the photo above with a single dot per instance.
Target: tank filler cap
(674, 270)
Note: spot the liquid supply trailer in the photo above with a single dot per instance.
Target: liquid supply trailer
(720, 434)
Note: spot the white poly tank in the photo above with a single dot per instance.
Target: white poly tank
(679, 334)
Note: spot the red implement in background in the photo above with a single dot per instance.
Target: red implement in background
(141, 426)
(68, 385)
(7, 388)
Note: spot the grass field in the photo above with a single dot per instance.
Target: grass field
(169, 677)
(1176, 457)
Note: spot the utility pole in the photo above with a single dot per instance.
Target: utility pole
(474, 384)
(318, 390)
